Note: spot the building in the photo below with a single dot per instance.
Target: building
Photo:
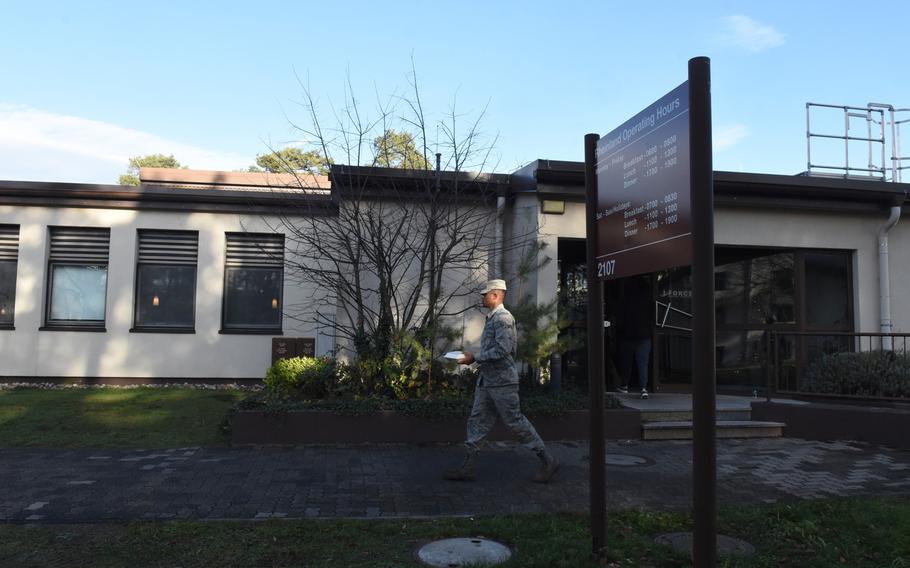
(184, 276)
(190, 276)
(793, 254)
(150, 282)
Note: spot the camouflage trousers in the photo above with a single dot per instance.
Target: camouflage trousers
(490, 402)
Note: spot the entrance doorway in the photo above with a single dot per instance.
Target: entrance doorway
(624, 324)
(757, 290)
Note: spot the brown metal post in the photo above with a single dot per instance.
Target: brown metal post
(704, 447)
(595, 344)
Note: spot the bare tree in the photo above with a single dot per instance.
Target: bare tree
(398, 266)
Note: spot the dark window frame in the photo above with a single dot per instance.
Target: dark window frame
(62, 259)
(177, 235)
(800, 300)
(9, 254)
(261, 254)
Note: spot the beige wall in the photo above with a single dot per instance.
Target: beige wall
(522, 227)
(899, 252)
(459, 281)
(26, 351)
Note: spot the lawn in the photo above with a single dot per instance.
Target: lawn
(855, 533)
(114, 418)
(858, 533)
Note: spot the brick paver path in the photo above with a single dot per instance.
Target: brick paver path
(403, 481)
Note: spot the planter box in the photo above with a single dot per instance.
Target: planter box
(822, 421)
(322, 427)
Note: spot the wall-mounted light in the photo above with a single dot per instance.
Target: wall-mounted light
(274, 303)
(3, 311)
(554, 206)
(155, 301)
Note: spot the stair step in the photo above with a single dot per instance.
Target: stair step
(682, 429)
(743, 414)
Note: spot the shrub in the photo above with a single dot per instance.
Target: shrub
(390, 379)
(441, 407)
(872, 373)
(305, 377)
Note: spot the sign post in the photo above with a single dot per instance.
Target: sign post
(596, 449)
(650, 207)
(704, 442)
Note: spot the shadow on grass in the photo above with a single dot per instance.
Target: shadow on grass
(137, 418)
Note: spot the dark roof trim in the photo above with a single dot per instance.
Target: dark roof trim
(810, 187)
(394, 182)
(552, 179)
(161, 198)
(560, 172)
(545, 179)
(806, 193)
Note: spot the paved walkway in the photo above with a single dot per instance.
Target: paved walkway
(56, 486)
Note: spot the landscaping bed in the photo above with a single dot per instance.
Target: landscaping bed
(319, 401)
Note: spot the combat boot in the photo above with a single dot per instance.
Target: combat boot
(549, 465)
(464, 473)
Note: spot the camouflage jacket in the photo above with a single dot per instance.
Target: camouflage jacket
(498, 346)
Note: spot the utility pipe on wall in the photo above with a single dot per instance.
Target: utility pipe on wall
(496, 265)
(884, 275)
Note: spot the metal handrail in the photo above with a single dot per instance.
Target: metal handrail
(857, 345)
(866, 113)
(874, 115)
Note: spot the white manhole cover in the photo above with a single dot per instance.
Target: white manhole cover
(456, 552)
(625, 460)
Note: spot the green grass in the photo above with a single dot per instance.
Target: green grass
(857, 533)
(873, 533)
(114, 418)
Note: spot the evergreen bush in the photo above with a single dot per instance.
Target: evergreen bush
(871, 374)
(301, 377)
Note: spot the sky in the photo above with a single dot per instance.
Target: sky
(86, 85)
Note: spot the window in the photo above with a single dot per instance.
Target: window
(166, 281)
(756, 291)
(828, 277)
(77, 278)
(759, 290)
(9, 256)
(253, 282)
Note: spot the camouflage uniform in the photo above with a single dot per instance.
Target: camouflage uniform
(497, 386)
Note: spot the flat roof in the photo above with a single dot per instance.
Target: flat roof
(553, 179)
(162, 198)
(180, 189)
(184, 178)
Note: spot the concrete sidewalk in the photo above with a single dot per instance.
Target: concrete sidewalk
(64, 486)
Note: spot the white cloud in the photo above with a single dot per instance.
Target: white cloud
(40, 145)
(745, 33)
(729, 135)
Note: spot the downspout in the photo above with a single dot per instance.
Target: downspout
(884, 274)
(498, 253)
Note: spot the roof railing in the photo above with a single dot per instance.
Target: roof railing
(874, 120)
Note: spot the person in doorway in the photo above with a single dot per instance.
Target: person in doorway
(496, 392)
(634, 317)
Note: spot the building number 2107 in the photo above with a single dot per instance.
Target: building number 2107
(605, 268)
